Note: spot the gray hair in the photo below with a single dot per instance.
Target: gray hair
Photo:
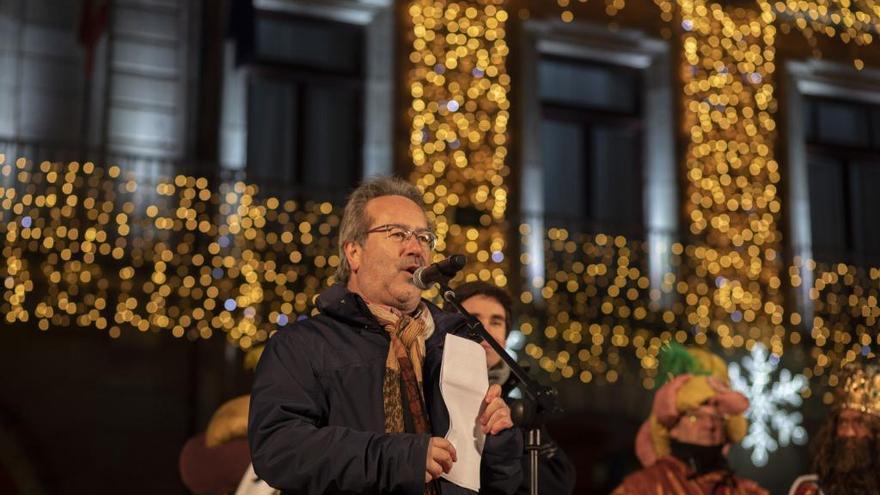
(355, 221)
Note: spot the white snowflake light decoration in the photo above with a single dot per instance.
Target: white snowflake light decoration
(771, 422)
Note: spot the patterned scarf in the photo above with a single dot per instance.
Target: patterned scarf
(405, 356)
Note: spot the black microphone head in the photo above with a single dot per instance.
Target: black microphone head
(426, 276)
(418, 281)
(452, 265)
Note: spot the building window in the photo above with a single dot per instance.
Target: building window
(305, 91)
(843, 157)
(591, 145)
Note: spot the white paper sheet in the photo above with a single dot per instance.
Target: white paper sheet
(463, 383)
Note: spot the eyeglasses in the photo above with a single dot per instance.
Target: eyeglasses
(401, 234)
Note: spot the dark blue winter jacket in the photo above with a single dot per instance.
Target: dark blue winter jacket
(317, 424)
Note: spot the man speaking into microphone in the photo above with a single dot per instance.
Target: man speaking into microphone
(342, 402)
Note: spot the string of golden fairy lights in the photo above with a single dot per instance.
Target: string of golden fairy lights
(732, 176)
(459, 115)
(845, 316)
(853, 22)
(201, 261)
(850, 21)
(734, 270)
(730, 283)
(599, 308)
(83, 248)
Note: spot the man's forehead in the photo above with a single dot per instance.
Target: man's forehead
(497, 312)
(490, 314)
(497, 309)
(397, 210)
(852, 414)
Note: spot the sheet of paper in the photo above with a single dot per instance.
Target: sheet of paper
(463, 384)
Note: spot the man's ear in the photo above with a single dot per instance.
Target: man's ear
(353, 252)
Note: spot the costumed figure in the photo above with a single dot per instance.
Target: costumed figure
(695, 418)
(847, 447)
(218, 461)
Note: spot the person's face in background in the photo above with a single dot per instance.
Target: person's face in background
(853, 424)
(701, 426)
(848, 462)
(491, 314)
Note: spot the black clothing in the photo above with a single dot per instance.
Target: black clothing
(317, 420)
(556, 473)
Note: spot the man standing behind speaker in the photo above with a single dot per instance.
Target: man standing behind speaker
(348, 401)
(492, 306)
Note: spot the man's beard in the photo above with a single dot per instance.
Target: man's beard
(853, 471)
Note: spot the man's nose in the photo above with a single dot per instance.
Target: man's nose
(846, 430)
(412, 246)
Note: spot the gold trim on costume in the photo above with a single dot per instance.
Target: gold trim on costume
(861, 389)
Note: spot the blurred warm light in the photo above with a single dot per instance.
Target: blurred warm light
(730, 280)
(459, 114)
(731, 195)
(84, 248)
(98, 248)
(850, 22)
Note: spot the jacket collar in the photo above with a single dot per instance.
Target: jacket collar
(340, 303)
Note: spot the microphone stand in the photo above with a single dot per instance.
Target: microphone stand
(540, 400)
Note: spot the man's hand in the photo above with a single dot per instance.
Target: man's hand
(441, 455)
(496, 414)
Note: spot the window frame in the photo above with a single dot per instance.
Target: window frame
(819, 79)
(373, 82)
(301, 78)
(660, 196)
(824, 82)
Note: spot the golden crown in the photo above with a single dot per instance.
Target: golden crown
(861, 389)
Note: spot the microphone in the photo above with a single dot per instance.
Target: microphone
(426, 276)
